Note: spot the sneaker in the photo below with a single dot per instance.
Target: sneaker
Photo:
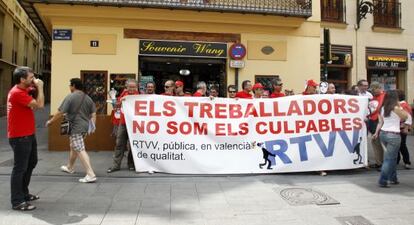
(67, 170)
(407, 166)
(384, 185)
(112, 169)
(323, 173)
(87, 179)
(395, 182)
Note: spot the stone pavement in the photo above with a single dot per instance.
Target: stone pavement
(343, 197)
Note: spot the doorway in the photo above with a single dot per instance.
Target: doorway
(161, 69)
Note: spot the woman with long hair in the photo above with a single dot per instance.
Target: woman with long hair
(388, 130)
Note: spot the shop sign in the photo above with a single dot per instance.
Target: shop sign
(412, 56)
(342, 59)
(62, 34)
(237, 64)
(387, 62)
(184, 49)
(237, 51)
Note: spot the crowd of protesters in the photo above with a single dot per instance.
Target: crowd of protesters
(389, 121)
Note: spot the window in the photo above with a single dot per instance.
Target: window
(95, 86)
(34, 56)
(15, 44)
(387, 13)
(26, 50)
(333, 10)
(1, 33)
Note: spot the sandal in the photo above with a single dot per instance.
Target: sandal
(31, 197)
(24, 206)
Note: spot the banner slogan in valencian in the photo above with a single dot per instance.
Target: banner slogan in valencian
(188, 135)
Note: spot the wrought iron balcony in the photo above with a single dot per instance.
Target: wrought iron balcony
(297, 8)
(333, 10)
(387, 13)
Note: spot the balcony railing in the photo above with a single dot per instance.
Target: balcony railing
(297, 8)
(387, 14)
(333, 10)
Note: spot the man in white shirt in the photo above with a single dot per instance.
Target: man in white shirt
(363, 89)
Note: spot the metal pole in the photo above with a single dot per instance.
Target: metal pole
(236, 78)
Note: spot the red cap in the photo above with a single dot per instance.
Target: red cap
(311, 83)
(179, 83)
(257, 86)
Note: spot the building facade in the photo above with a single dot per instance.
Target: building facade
(370, 40)
(21, 44)
(106, 42)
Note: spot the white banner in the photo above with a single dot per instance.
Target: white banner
(188, 135)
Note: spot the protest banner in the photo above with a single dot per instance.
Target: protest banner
(187, 135)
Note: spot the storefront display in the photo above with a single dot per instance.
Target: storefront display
(387, 79)
(386, 66)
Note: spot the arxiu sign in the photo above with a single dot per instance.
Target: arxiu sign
(387, 62)
(185, 49)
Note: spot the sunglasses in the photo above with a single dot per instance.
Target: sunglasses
(167, 86)
(232, 91)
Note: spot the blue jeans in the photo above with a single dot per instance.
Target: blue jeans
(25, 160)
(392, 142)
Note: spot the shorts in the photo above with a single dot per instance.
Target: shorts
(76, 142)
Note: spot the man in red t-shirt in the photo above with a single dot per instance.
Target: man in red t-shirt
(169, 88)
(311, 86)
(277, 88)
(21, 134)
(179, 89)
(375, 105)
(201, 89)
(247, 88)
(258, 89)
(121, 145)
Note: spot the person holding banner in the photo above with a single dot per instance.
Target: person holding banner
(232, 90)
(150, 88)
(201, 89)
(310, 89)
(388, 131)
(258, 90)
(277, 88)
(169, 88)
(179, 89)
(375, 105)
(247, 88)
(121, 145)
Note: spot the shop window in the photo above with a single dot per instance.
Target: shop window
(95, 85)
(333, 10)
(386, 78)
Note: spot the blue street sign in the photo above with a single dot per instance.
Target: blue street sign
(412, 56)
(62, 34)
